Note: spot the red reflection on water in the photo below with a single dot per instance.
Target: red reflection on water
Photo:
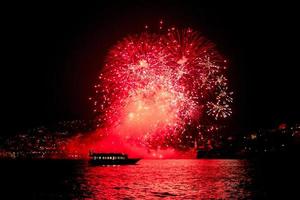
(175, 179)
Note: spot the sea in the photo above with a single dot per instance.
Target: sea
(150, 179)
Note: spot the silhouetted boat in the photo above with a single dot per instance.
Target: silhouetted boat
(112, 159)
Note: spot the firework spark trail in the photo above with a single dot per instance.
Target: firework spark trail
(154, 85)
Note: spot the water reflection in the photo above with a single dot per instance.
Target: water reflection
(175, 179)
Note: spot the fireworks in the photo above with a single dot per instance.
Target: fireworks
(155, 85)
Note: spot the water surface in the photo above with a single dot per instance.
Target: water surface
(149, 179)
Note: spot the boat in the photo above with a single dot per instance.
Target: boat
(111, 159)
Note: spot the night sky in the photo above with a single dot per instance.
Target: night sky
(54, 51)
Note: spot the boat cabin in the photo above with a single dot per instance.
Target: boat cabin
(108, 156)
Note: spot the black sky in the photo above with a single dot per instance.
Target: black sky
(54, 51)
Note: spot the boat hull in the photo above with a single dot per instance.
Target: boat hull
(130, 161)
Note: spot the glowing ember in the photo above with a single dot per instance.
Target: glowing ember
(155, 85)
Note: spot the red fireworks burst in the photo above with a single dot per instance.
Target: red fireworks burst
(155, 85)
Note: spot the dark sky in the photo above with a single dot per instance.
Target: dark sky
(54, 51)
